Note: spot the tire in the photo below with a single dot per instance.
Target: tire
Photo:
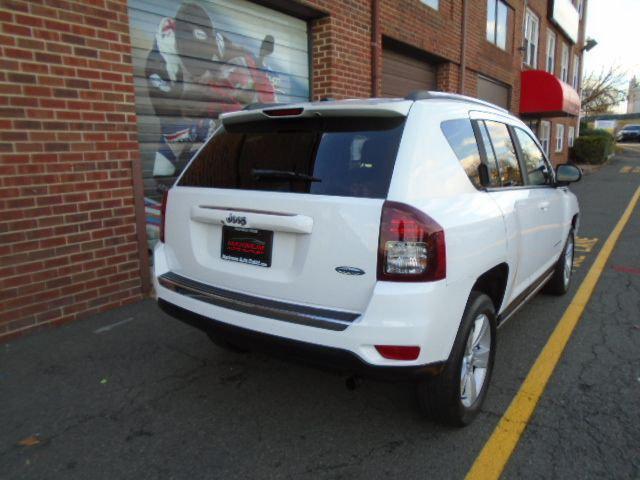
(561, 279)
(225, 345)
(448, 398)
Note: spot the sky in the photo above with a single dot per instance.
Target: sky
(614, 24)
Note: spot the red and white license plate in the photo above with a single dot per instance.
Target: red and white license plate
(247, 245)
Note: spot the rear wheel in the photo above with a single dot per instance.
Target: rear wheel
(561, 279)
(455, 396)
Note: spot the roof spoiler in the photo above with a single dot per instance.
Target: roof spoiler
(267, 111)
(430, 95)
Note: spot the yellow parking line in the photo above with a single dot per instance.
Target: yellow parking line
(496, 452)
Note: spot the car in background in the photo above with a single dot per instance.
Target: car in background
(630, 133)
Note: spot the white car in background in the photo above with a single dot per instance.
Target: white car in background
(382, 237)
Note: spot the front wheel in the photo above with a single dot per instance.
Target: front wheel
(561, 279)
(455, 396)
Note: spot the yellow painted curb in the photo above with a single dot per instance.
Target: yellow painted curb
(495, 454)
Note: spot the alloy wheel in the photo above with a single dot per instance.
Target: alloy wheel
(568, 261)
(475, 361)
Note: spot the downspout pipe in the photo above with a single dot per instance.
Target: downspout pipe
(463, 48)
(375, 48)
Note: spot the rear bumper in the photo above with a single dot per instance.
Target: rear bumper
(322, 356)
(415, 314)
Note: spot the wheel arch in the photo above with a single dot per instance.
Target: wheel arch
(493, 283)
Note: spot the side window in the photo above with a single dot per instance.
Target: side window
(459, 134)
(505, 152)
(492, 163)
(537, 168)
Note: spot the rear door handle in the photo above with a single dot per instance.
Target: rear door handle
(544, 206)
(260, 219)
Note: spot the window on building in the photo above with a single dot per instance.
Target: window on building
(564, 66)
(538, 172)
(576, 72)
(544, 135)
(459, 134)
(435, 4)
(559, 137)
(531, 33)
(505, 153)
(497, 23)
(571, 135)
(551, 52)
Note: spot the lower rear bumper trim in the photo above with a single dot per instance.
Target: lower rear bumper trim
(303, 352)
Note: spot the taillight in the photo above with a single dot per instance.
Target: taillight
(163, 210)
(398, 352)
(411, 246)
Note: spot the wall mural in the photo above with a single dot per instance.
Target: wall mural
(194, 60)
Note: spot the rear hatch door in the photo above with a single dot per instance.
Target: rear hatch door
(287, 207)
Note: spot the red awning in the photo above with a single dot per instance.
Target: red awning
(545, 95)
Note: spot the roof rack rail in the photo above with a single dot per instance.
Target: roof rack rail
(260, 106)
(430, 95)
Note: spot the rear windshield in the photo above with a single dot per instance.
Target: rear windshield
(351, 157)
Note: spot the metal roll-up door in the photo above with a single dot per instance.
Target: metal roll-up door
(494, 92)
(195, 59)
(403, 73)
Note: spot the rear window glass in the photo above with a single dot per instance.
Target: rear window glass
(323, 156)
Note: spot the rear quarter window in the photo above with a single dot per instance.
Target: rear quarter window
(459, 133)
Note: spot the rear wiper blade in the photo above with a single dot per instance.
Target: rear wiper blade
(267, 173)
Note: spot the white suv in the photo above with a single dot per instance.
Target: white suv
(383, 237)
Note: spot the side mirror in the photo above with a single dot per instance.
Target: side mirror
(567, 173)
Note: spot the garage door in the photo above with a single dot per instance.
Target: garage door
(403, 74)
(194, 60)
(493, 92)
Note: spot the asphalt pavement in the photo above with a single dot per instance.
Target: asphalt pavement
(133, 393)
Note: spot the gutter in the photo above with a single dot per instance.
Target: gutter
(463, 48)
(375, 48)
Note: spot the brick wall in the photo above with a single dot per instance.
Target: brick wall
(342, 50)
(68, 240)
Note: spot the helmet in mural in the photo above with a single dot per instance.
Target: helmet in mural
(195, 38)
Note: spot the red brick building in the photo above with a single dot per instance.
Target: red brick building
(103, 101)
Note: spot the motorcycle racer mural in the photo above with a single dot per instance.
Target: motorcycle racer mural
(209, 57)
